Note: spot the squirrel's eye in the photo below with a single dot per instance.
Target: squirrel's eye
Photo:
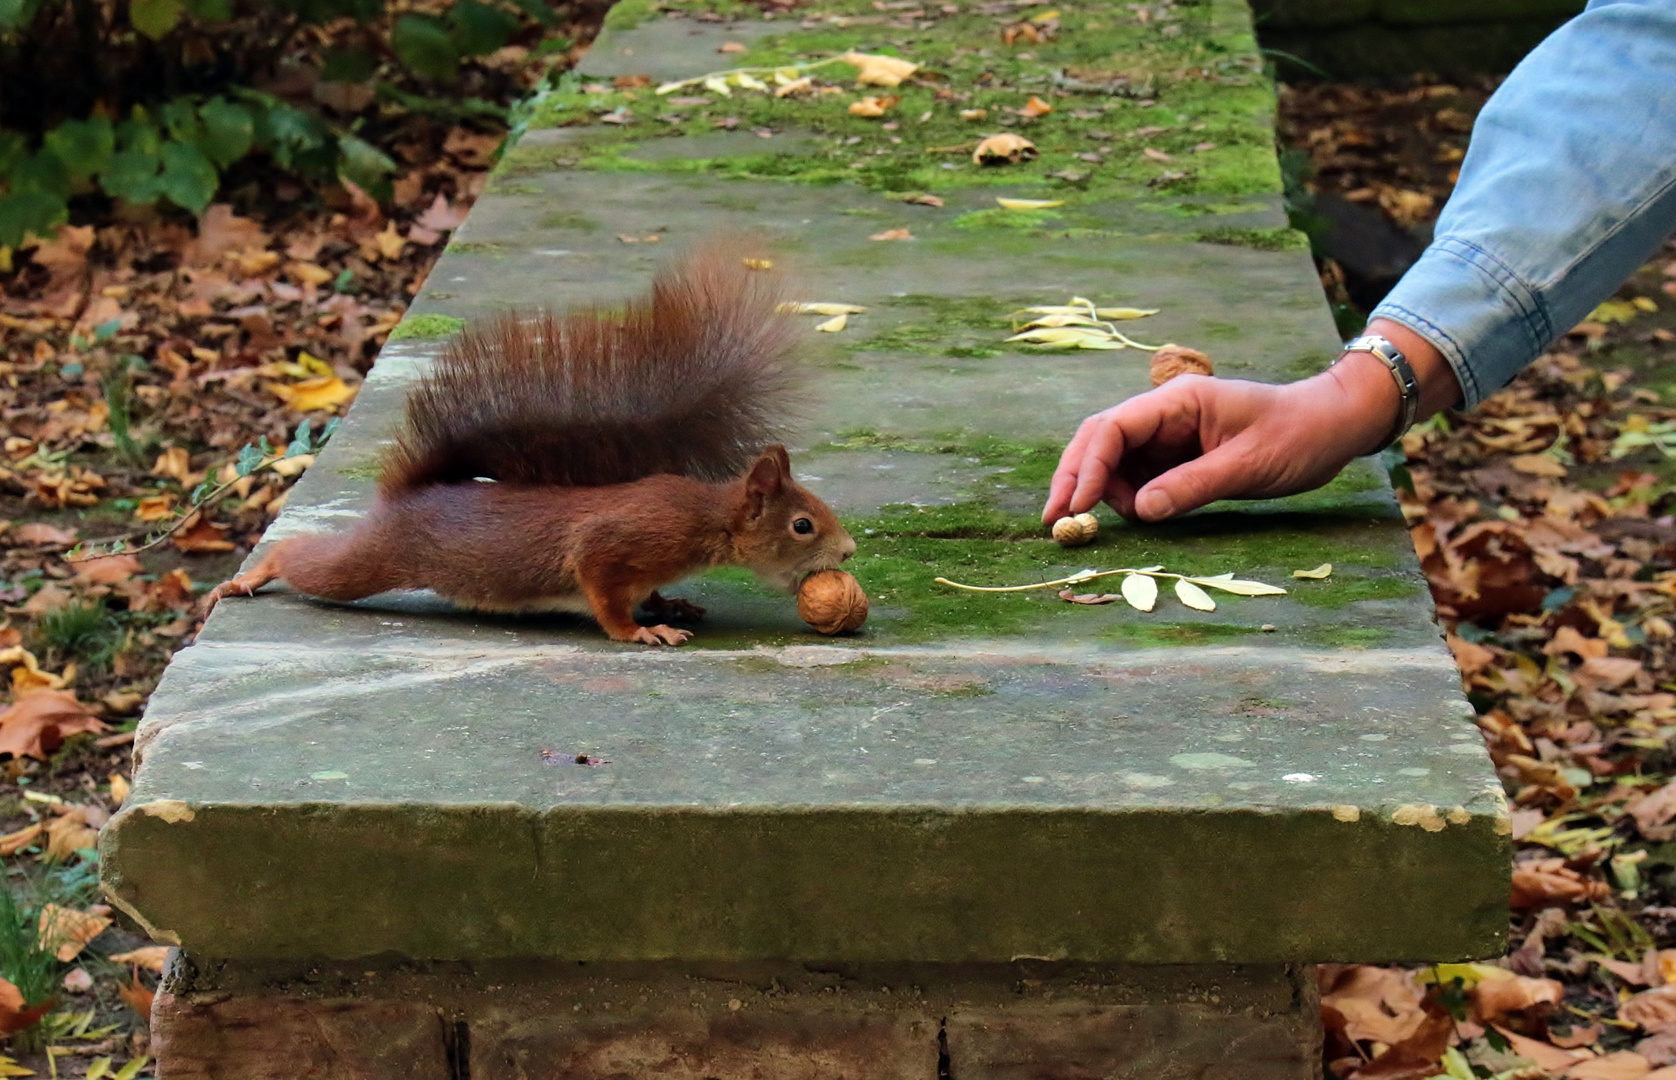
(803, 526)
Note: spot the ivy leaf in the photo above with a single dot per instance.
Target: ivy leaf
(422, 42)
(132, 177)
(228, 131)
(154, 18)
(248, 460)
(479, 28)
(1140, 590)
(84, 146)
(189, 178)
(30, 212)
(363, 164)
(1193, 596)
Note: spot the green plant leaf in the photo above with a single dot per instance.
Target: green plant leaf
(139, 133)
(180, 118)
(348, 65)
(480, 28)
(84, 146)
(154, 18)
(41, 171)
(16, 14)
(132, 177)
(538, 11)
(364, 164)
(229, 130)
(189, 178)
(422, 42)
(13, 148)
(36, 212)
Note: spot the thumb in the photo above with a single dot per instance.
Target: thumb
(1216, 475)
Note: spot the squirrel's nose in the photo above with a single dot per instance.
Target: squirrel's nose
(848, 550)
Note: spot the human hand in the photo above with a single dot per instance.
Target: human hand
(1198, 439)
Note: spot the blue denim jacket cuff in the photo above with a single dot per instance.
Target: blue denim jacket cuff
(1484, 320)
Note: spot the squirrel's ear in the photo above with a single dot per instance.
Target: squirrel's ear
(767, 476)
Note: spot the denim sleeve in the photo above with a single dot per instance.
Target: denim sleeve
(1568, 185)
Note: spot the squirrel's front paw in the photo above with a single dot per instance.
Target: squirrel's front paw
(672, 608)
(661, 635)
(234, 587)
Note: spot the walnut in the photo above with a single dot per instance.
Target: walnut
(1173, 360)
(1076, 531)
(832, 602)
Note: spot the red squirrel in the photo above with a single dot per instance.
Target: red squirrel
(628, 447)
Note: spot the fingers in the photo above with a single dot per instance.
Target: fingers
(1064, 481)
(1088, 469)
(1228, 471)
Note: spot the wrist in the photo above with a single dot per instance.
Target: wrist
(1439, 388)
(1365, 406)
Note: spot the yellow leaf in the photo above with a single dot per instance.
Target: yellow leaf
(1140, 590)
(749, 82)
(1644, 303)
(1035, 107)
(1028, 204)
(1613, 311)
(390, 242)
(834, 324)
(150, 957)
(1229, 583)
(795, 86)
(1069, 337)
(875, 70)
(311, 394)
(796, 307)
(1324, 570)
(1062, 320)
(98, 1068)
(307, 273)
(759, 264)
(119, 788)
(133, 1068)
(9, 1067)
(155, 508)
(1045, 17)
(872, 106)
(717, 86)
(1115, 313)
(1193, 596)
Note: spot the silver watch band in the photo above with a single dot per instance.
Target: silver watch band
(1407, 385)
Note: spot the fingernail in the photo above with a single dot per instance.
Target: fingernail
(1155, 505)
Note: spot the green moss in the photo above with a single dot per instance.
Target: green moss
(1161, 633)
(568, 220)
(968, 327)
(1284, 239)
(476, 247)
(628, 14)
(1337, 591)
(999, 218)
(360, 470)
(428, 327)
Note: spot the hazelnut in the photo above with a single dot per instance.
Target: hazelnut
(832, 602)
(1173, 360)
(1076, 531)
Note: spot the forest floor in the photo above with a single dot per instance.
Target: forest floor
(142, 355)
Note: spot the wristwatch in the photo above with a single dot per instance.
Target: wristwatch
(1407, 385)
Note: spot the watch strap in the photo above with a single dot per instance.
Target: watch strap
(1407, 385)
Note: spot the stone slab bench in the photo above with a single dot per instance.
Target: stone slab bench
(986, 837)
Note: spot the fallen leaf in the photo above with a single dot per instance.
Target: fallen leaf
(119, 788)
(1072, 597)
(40, 534)
(1239, 587)
(1028, 204)
(37, 723)
(731, 47)
(14, 1017)
(1193, 596)
(1003, 149)
(872, 106)
(892, 234)
(834, 324)
(175, 463)
(77, 981)
(974, 114)
(1156, 155)
(875, 70)
(1538, 465)
(1035, 107)
(12, 843)
(1322, 571)
(1652, 1010)
(1140, 590)
(1541, 882)
(1493, 999)
(1070, 337)
(69, 833)
(923, 199)
(150, 957)
(1542, 1054)
(441, 217)
(155, 508)
(320, 392)
(65, 932)
(1375, 1004)
(1622, 1065)
(137, 996)
(202, 536)
(108, 570)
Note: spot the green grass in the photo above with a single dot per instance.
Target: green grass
(81, 631)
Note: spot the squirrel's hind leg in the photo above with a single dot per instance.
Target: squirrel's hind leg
(613, 608)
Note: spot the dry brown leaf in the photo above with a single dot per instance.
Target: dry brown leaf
(1652, 1010)
(1538, 465)
(873, 106)
(155, 508)
(307, 273)
(1493, 999)
(108, 570)
(65, 931)
(220, 231)
(12, 843)
(202, 536)
(1623, 1065)
(13, 1016)
(175, 463)
(892, 234)
(1580, 1035)
(1377, 1004)
(38, 723)
(40, 534)
(1416, 1056)
(1546, 1055)
(150, 957)
(320, 392)
(119, 788)
(923, 199)
(1541, 882)
(441, 217)
(1653, 809)
(137, 996)
(72, 831)
(876, 70)
(1156, 155)
(1035, 107)
(1567, 639)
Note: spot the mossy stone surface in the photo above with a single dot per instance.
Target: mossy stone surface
(972, 776)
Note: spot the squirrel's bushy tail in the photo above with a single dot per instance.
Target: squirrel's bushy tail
(692, 379)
